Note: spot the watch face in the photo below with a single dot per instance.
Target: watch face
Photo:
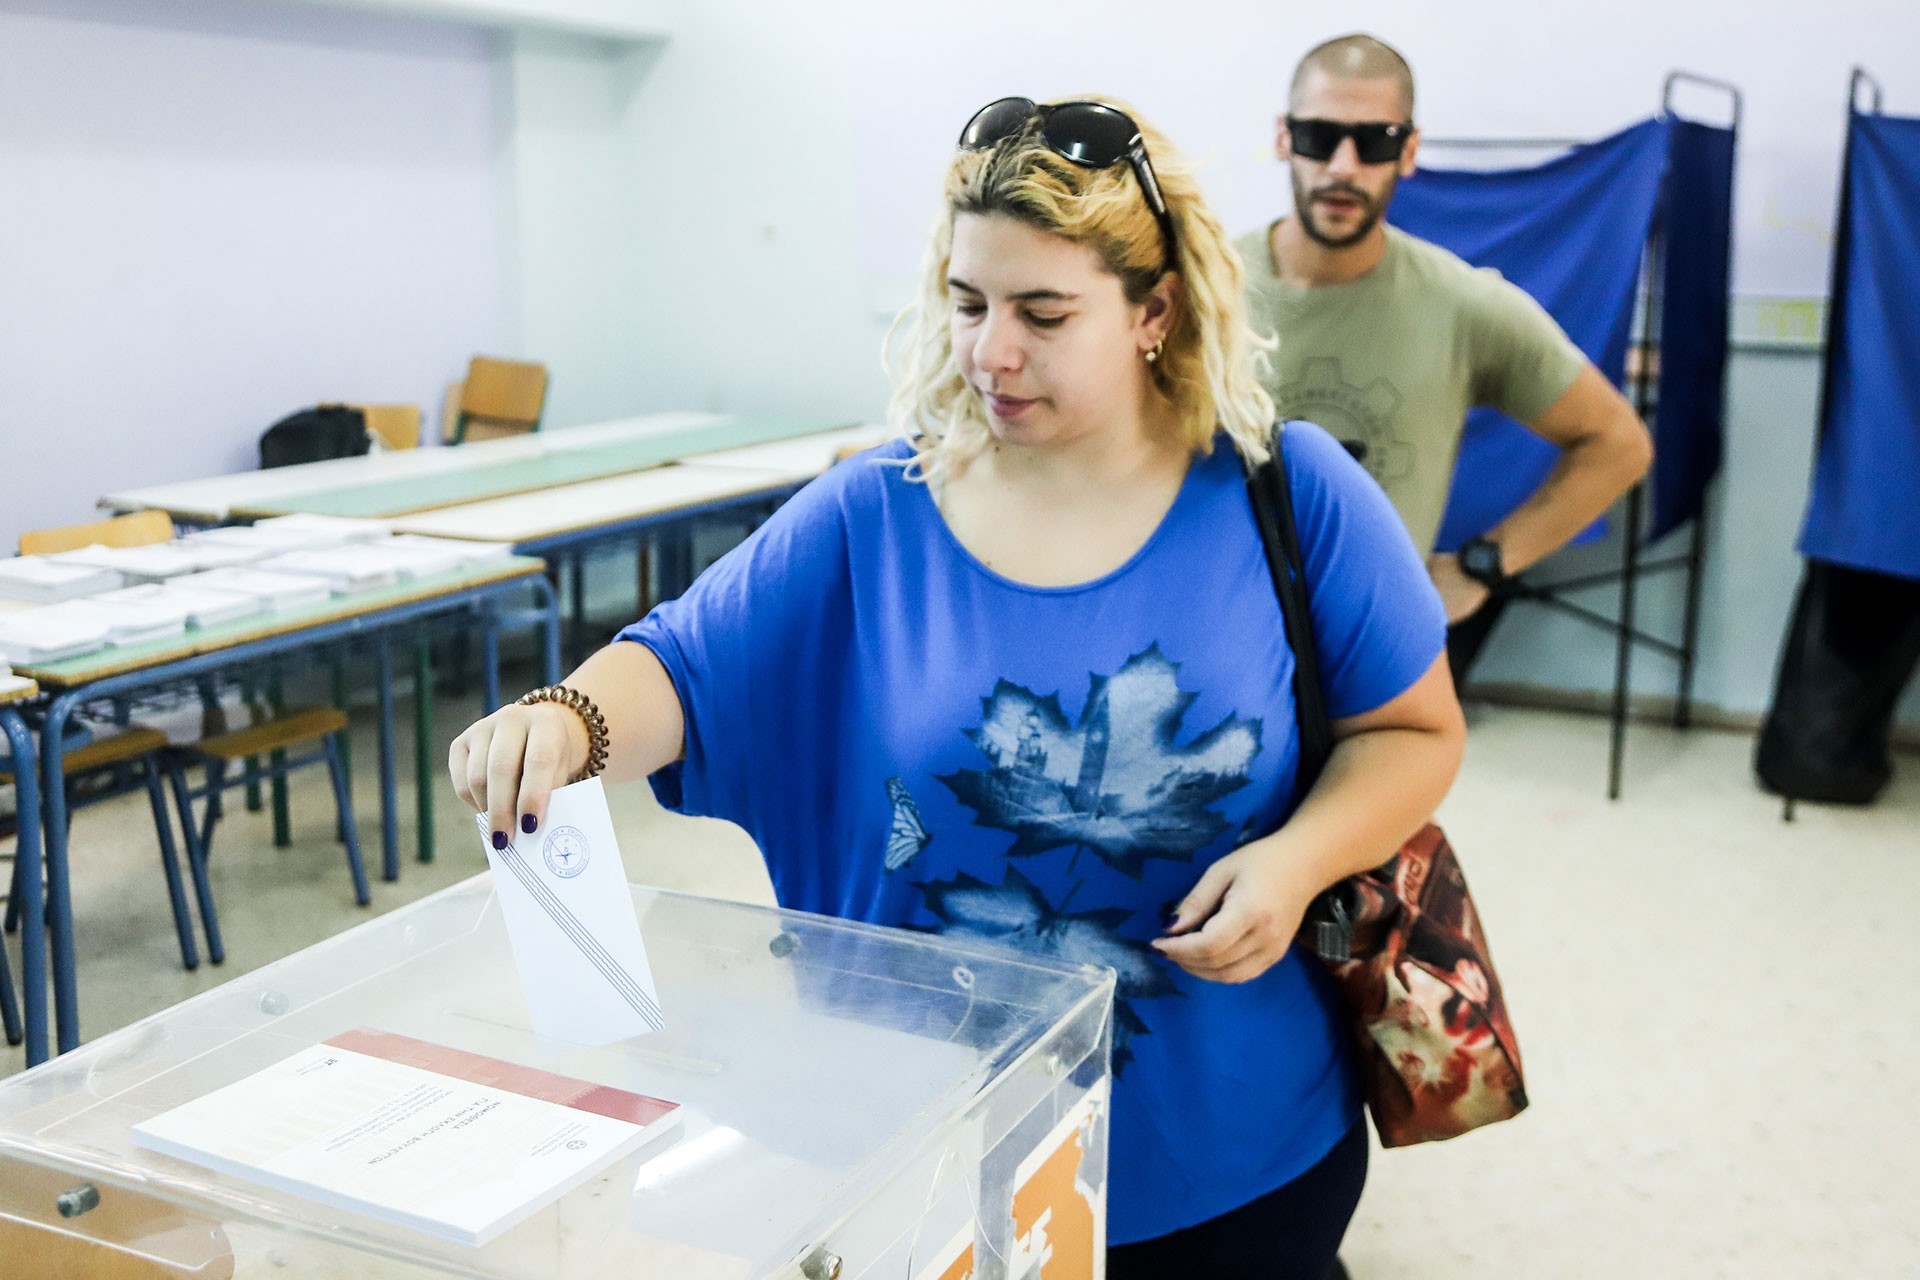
(1480, 560)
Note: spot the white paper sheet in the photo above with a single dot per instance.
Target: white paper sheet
(569, 914)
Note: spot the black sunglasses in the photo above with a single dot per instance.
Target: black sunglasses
(1091, 134)
(1374, 143)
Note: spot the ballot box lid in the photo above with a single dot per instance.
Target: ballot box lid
(812, 1059)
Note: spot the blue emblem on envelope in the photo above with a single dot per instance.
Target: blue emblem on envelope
(566, 852)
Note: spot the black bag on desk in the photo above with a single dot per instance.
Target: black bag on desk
(1850, 649)
(314, 435)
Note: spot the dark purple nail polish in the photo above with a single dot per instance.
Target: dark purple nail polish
(527, 823)
(1173, 917)
(499, 839)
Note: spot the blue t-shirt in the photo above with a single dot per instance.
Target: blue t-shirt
(915, 740)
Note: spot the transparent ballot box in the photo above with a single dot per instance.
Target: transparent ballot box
(856, 1102)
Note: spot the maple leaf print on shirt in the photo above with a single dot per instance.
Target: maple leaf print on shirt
(1120, 782)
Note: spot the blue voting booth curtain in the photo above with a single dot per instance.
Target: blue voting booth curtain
(1571, 233)
(1864, 512)
(1697, 224)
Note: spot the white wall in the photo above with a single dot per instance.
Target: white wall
(570, 197)
(215, 216)
(728, 220)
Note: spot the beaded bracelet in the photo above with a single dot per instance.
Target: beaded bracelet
(583, 706)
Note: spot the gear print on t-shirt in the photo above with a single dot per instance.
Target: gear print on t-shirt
(1361, 418)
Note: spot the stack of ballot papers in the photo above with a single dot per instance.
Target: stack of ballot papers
(413, 558)
(125, 623)
(199, 606)
(429, 1137)
(155, 562)
(263, 541)
(41, 580)
(346, 569)
(470, 553)
(44, 635)
(326, 530)
(217, 554)
(275, 591)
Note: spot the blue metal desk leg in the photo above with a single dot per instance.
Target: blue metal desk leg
(33, 907)
(548, 600)
(389, 801)
(489, 658)
(53, 845)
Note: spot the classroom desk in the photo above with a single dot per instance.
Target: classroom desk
(26, 810)
(802, 458)
(563, 525)
(565, 516)
(421, 479)
(215, 499)
(550, 470)
(371, 615)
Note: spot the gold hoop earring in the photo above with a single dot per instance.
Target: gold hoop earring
(1154, 354)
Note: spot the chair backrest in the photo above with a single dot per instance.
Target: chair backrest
(450, 410)
(500, 397)
(397, 425)
(142, 528)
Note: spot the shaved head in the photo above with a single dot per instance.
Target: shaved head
(1355, 57)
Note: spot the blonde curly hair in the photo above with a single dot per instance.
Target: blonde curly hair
(1207, 367)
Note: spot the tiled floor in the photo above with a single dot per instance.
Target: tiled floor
(1717, 1009)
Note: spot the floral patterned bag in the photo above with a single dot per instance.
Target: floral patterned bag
(1403, 941)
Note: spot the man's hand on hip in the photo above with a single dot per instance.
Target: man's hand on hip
(1461, 595)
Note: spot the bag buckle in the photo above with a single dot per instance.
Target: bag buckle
(1333, 939)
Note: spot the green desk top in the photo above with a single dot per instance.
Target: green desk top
(562, 466)
(102, 663)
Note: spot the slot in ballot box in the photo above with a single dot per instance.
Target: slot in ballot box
(857, 1102)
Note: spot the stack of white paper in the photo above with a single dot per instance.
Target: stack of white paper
(216, 554)
(199, 606)
(277, 591)
(43, 635)
(155, 562)
(346, 569)
(327, 530)
(40, 580)
(266, 541)
(414, 559)
(469, 552)
(126, 624)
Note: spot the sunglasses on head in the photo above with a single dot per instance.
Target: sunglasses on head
(1374, 143)
(1091, 134)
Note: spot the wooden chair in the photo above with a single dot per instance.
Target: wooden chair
(88, 755)
(130, 751)
(499, 398)
(395, 426)
(141, 529)
(219, 748)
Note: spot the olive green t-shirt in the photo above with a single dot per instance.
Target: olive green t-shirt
(1390, 363)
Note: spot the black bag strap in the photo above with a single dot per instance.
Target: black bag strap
(1328, 926)
(1273, 514)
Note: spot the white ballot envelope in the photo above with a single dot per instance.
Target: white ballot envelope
(569, 916)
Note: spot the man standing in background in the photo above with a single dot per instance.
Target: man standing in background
(1387, 340)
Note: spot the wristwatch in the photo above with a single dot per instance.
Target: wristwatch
(1480, 560)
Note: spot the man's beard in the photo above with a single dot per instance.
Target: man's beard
(1371, 211)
